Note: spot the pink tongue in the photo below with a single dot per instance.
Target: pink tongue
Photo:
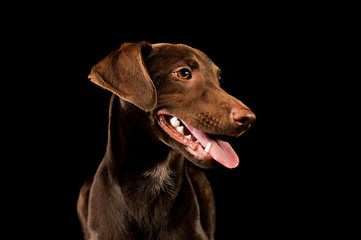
(221, 151)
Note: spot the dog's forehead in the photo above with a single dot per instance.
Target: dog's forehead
(178, 48)
(182, 52)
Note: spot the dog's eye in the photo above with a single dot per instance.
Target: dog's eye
(184, 73)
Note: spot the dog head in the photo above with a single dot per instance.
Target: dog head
(179, 87)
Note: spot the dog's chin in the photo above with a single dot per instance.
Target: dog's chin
(197, 157)
(199, 160)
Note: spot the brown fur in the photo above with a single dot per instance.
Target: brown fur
(144, 188)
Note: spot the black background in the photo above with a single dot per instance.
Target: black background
(267, 56)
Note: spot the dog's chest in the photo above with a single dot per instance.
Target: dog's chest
(159, 179)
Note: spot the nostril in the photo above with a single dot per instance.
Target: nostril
(242, 120)
(243, 117)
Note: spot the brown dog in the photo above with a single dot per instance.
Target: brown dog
(167, 106)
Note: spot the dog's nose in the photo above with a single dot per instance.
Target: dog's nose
(243, 117)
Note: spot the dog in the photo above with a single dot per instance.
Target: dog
(167, 116)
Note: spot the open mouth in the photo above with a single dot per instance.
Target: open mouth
(200, 144)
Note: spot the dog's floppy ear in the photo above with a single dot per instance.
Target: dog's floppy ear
(123, 72)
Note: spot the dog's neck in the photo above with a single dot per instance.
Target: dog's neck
(136, 155)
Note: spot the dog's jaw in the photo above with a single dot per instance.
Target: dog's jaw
(198, 147)
(179, 132)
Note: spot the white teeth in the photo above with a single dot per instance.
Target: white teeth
(189, 137)
(180, 129)
(208, 147)
(175, 122)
